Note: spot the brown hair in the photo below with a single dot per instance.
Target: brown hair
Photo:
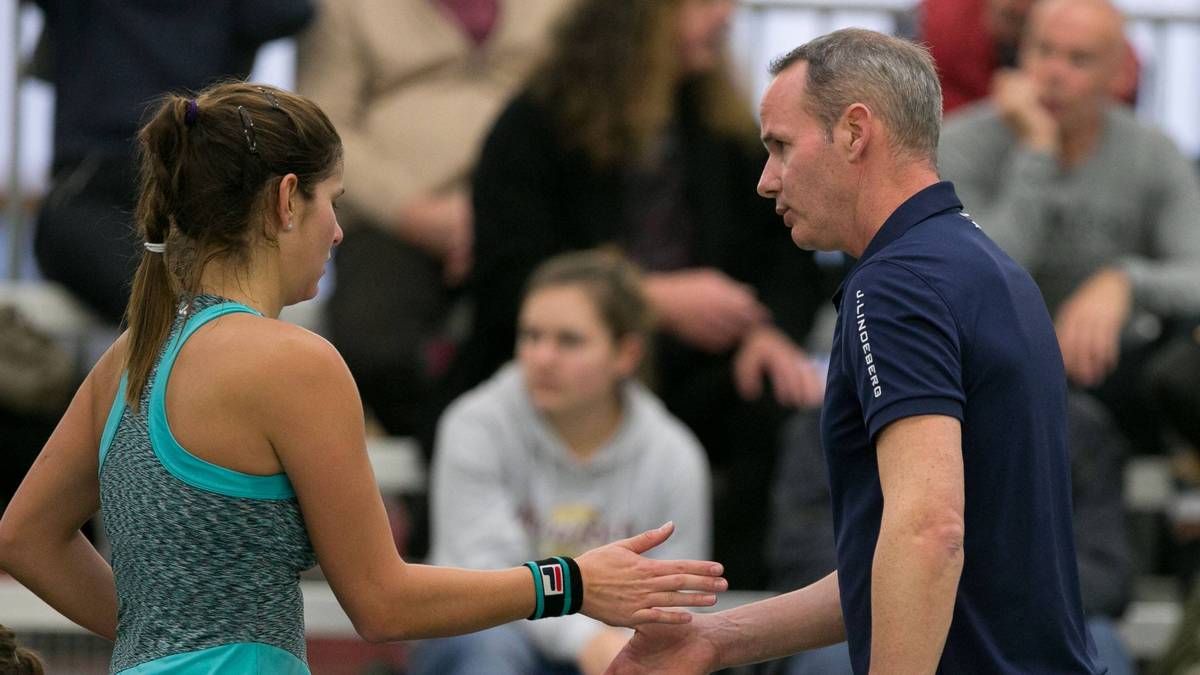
(893, 76)
(211, 166)
(611, 80)
(16, 660)
(611, 281)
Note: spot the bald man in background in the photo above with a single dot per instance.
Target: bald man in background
(1101, 208)
(974, 40)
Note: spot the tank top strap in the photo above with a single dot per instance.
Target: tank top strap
(114, 419)
(175, 458)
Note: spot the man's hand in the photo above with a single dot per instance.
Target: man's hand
(767, 352)
(673, 650)
(1089, 326)
(443, 227)
(1015, 96)
(704, 307)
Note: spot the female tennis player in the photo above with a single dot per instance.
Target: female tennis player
(224, 448)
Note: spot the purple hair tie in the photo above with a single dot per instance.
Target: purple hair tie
(193, 110)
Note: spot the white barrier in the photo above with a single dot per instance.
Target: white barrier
(1146, 628)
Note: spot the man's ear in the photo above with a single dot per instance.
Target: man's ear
(853, 132)
(286, 202)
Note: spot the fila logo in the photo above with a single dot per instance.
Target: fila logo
(552, 580)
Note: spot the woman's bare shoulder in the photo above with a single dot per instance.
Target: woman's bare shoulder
(280, 357)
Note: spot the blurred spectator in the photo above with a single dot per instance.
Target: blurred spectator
(108, 60)
(412, 86)
(633, 134)
(1103, 210)
(37, 378)
(1174, 380)
(559, 452)
(802, 546)
(971, 40)
(1102, 542)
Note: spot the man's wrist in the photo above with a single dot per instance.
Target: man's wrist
(765, 331)
(720, 631)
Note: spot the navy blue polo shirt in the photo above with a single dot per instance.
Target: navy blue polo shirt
(936, 319)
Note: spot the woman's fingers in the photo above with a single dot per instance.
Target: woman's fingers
(704, 568)
(680, 599)
(640, 543)
(659, 615)
(690, 582)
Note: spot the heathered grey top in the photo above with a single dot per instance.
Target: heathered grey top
(204, 557)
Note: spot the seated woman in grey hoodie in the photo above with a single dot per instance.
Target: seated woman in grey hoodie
(559, 451)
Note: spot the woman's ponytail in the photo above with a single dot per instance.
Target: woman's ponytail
(163, 145)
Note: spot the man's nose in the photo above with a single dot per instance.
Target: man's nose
(768, 182)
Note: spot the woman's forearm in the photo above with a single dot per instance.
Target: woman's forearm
(429, 601)
(623, 588)
(70, 576)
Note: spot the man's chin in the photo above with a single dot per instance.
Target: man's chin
(802, 238)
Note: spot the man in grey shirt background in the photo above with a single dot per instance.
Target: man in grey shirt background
(1101, 208)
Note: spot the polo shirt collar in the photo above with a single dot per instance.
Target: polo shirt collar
(931, 201)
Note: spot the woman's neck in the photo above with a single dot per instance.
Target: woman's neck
(586, 431)
(253, 285)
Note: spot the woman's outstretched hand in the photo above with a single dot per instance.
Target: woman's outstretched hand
(623, 588)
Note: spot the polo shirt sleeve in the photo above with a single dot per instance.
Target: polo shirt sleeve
(902, 347)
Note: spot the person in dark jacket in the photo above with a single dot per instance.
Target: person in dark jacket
(632, 134)
(109, 62)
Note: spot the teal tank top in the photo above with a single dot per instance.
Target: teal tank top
(206, 559)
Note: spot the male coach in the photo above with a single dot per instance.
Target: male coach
(944, 420)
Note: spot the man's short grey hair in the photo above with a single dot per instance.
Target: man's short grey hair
(893, 77)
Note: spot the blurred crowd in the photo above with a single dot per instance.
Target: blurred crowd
(557, 275)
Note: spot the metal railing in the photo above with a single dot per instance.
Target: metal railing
(14, 211)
